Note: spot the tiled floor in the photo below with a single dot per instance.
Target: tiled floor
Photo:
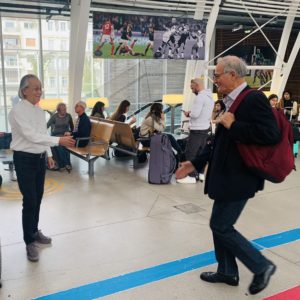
(117, 223)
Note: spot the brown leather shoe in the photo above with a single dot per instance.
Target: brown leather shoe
(214, 277)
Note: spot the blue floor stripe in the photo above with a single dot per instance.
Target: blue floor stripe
(138, 278)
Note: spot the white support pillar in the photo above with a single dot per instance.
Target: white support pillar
(79, 25)
(279, 63)
(196, 68)
(212, 53)
(210, 28)
(289, 65)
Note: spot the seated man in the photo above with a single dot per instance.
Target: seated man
(83, 125)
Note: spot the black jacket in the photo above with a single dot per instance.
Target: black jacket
(228, 178)
(84, 130)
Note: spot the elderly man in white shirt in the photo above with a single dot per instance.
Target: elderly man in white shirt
(200, 118)
(30, 143)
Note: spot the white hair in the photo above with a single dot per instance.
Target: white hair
(234, 63)
(24, 83)
(81, 103)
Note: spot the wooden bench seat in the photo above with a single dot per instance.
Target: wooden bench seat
(98, 144)
(122, 139)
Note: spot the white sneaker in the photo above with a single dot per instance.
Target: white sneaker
(201, 177)
(187, 179)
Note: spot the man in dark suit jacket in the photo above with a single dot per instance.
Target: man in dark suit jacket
(229, 182)
(83, 126)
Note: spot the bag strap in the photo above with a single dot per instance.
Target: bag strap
(239, 99)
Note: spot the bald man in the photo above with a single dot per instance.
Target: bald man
(83, 124)
(200, 117)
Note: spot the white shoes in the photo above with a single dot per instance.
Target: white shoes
(201, 177)
(187, 179)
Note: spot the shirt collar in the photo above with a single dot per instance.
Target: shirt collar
(233, 95)
(229, 99)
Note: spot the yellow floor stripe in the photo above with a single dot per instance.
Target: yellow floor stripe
(11, 192)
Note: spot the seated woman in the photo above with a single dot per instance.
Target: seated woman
(83, 125)
(60, 122)
(289, 106)
(98, 110)
(273, 99)
(120, 114)
(155, 122)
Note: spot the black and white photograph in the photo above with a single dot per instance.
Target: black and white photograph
(179, 38)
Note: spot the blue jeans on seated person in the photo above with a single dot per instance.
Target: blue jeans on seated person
(61, 156)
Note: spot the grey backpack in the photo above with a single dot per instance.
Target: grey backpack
(162, 161)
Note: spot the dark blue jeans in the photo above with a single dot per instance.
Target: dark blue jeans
(61, 155)
(174, 143)
(30, 170)
(229, 243)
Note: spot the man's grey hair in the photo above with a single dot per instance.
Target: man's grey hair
(24, 83)
(81, 103)
(234, 63)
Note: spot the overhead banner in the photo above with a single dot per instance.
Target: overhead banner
(136, 36)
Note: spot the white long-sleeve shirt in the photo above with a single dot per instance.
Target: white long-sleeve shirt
(201, 111)
(29, 131)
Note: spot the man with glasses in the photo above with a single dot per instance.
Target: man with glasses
(229, 182)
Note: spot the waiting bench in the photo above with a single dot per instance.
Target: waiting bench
(98, 144)
(122, 139)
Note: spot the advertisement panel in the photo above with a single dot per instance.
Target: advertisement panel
(148, 37)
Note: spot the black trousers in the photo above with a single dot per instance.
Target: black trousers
(230, 244)
(30, 170)
(196, 142)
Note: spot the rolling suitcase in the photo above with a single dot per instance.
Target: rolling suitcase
(162, 161)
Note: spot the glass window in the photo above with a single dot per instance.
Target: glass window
(11, 43)
(11, 60)
(18, 57)
(63, 26)
(52, 82)
(30, 43)
(55, 62)
(64, 63)
(50, 25)
(29, 25)
(63, 45)
(64, 81)
(9, 25)
(51, 44)
(12, 76)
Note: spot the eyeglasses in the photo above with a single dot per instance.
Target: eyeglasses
(217, 76)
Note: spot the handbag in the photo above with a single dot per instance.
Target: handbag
(270, 162)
